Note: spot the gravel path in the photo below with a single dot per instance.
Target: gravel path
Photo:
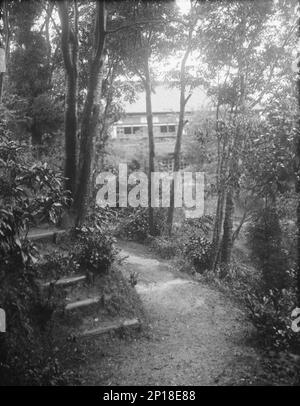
(197, 335)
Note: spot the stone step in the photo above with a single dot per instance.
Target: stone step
(65, 282)
(126, 324)
(83, 303)
(46, 235)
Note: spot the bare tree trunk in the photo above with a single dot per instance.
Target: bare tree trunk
(217, 225)
(223, 163)
(90, 115)
(69, 46)
(6, 44)
(218, 219)
(181, 124)
(176, 166)
(227, 229)
(230, 170)
(1, 85)
(236, 232)
(217, 240)
(150, 139)
(298, 175)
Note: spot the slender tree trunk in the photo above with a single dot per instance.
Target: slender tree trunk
(217, 225)
(218, 219)
(227, 241)
(6, 43)
(70, 171)
(298, 174)
(148, 92)
(36, 139)
(181, 123)
(227, 229)
(1, 85)
(223, 163)
(236, 232)
(90, 115)
(69, 46)
(176, 166)
(217, 240)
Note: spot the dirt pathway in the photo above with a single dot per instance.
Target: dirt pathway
(198, 337)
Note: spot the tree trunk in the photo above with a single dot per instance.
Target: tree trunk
(217, 240)
(1, 85)
(227, 229)
(151, 141)
(176, 166)
(70, 171)
(69, 46)
(237, 231)
(6, 44)
(227, 182)
(181, 123)
(298, 175)
(222, 171)
(218, 219)
(36, 139)
(90, 115)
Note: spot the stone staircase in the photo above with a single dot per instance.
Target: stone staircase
(86, 307)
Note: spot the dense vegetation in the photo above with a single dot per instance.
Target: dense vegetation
(69, 67)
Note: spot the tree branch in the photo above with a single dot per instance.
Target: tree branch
(65, 34)
(132, 25)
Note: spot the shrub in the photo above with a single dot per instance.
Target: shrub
(264, 237)
(94, 250)
(54, 266)
(201, 225)
(165, 247)
(135, 223)
(197, 249)
(27, 353)
(270, 313)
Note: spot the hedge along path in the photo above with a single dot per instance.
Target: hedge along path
(197, 336)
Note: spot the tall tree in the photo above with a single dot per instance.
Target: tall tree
(298, 165)
(243, 57)
(5, 39)
(69, 46)
(30, 72)
(147, 40)
(187, 26)
(90, 114)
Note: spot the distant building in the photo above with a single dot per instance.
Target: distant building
(131, 132)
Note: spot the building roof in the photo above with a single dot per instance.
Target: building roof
(166, 99)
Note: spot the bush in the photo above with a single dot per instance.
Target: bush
(264, 237)
(271, 313)
(27, 355)
(187, 242)
(94, 250)
(135, 223)
(197, 249)
(202, 225)
(166, 248)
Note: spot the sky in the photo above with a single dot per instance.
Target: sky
(184, 5)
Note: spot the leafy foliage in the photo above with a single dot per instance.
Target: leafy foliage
(94, 251)
(271, 314)
(135, 225)
(26, 353)
(31, 192)
(197, 249)
(264, 235)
